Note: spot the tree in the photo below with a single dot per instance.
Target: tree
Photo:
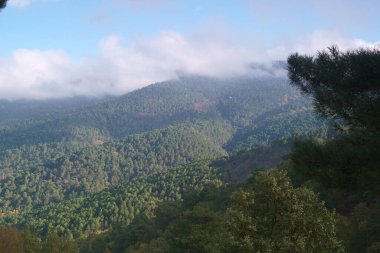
(275, 217)
(3, 3)
(30, 242)
(345, 86)
(56, 244)
(348, 163)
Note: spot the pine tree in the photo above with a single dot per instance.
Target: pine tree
(345, 86)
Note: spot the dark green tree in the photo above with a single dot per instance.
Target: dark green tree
(345, 86)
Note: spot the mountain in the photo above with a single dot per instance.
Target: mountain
(239, 101)
(68, 152)
(11, 110)
(195, 164)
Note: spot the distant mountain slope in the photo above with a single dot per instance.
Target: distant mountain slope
(27, 109)
(238, 100)
(33, 176)
(77, 149)
(283, 124)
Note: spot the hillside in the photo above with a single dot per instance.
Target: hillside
(33, 176)
(239, 101)
(117, 205)
(67, 160)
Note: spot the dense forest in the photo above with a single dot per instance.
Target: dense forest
(201, 165)
(72, 148)
(119, 204)
(35, 175)
(237, 101)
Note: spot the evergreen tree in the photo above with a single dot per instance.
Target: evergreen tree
(345, 86)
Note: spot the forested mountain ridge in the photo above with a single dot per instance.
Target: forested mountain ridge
(240, 160)
(324, 197)
(62, 169)
(31, 108)
(91, 147)
(238, 100)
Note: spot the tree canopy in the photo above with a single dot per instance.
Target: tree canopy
(276, 217)
(345, 85)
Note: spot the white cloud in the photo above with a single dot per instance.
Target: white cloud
(316, 41)
(118, 68)
(25, 3)
(121, 68)
(19, 3)
(363, 44)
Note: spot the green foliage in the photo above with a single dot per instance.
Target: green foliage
(106, 172)
(16, 241)
(194, 230)
(344, 85)
(365, 225)
(18, 110)
(237, 102)
(275, 217)
(345, 170)
(191, 225)
(116, 205)
(349, 163)
(70, 147)
(281, 125)
(36, 121)
(34, 176)
(271, 217)
(251, 98)
(56, 244)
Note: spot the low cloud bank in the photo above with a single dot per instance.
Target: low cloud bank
(120, 68)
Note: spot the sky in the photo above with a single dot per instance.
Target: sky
(61, 48)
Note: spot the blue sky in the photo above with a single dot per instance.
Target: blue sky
(52, 48)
